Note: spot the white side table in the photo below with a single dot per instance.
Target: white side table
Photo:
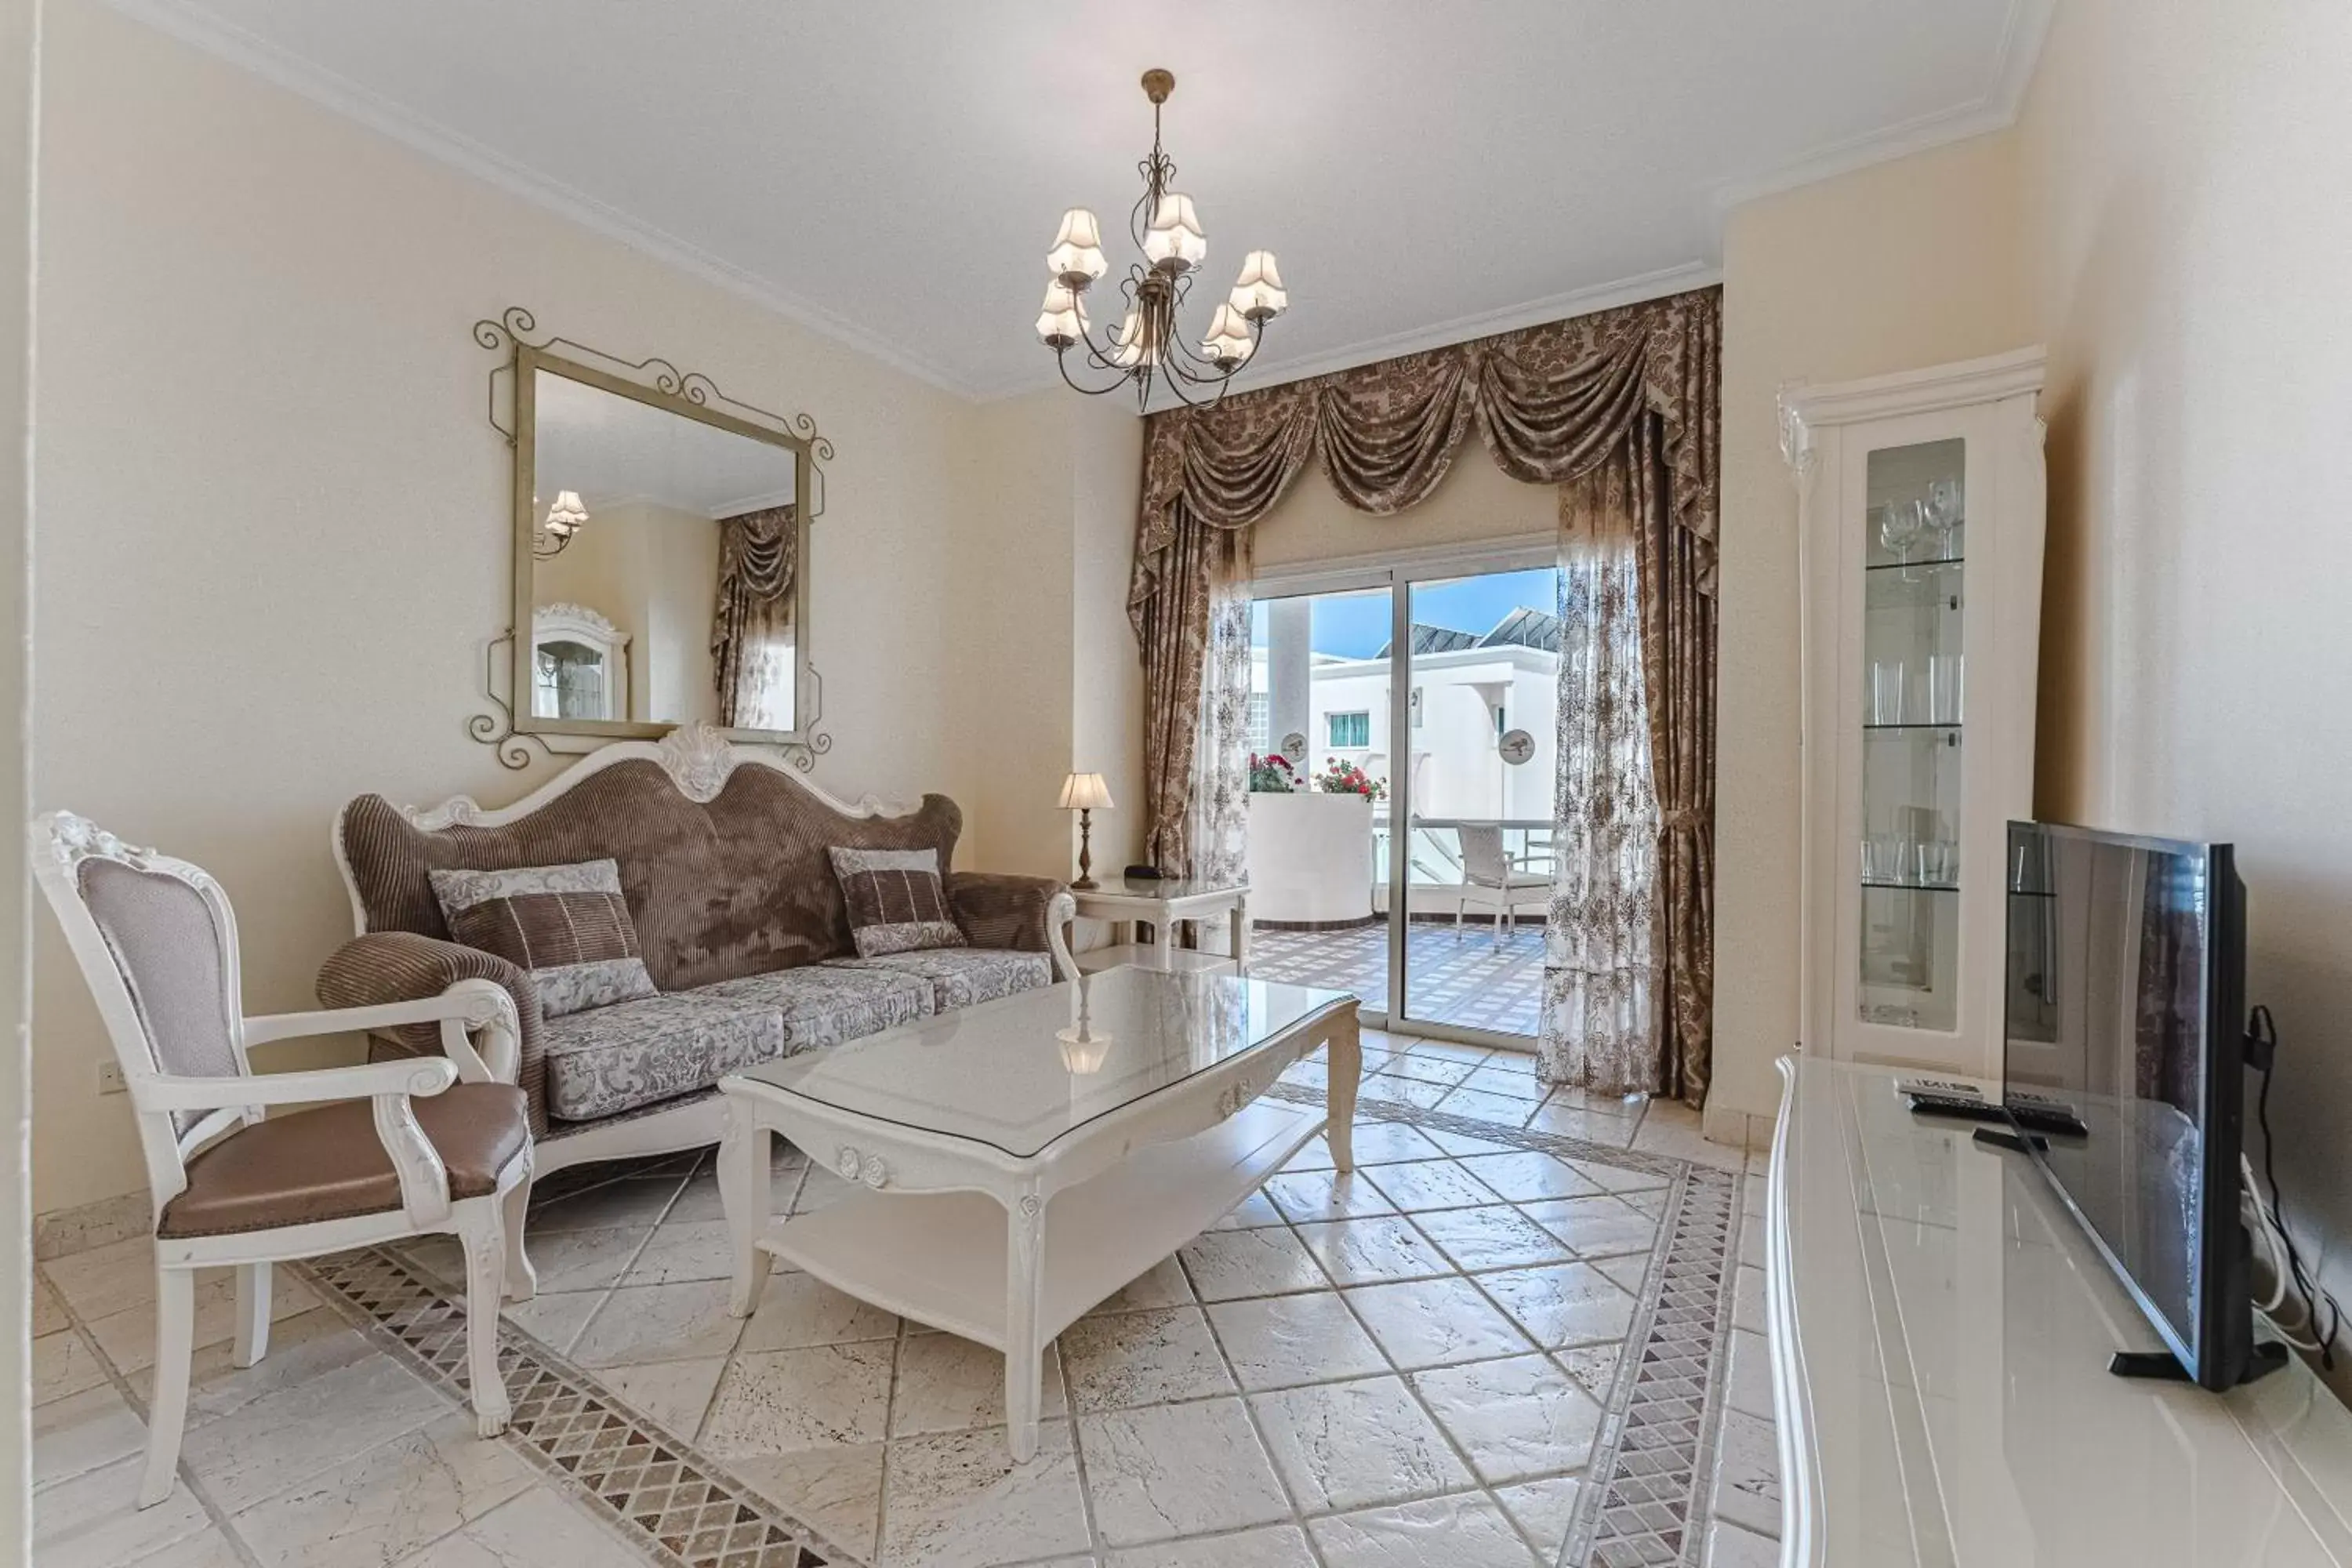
(1123, 903)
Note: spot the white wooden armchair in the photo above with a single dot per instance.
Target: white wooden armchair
(1497, 880)
(395, 1148)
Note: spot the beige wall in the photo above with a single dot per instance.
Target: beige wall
(653, 571)
(2185, 169)
(273, 531)
(1904, 265)
(18, 33)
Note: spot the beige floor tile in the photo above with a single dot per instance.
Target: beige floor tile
(1601, 1226)
(386, 1502)
(1178, 1470)
(1281, 1342)
(1748, 1385)
(1528, 1176)
(1281, 1546)
(822, 1396)
(1543, 1510)
(950, 1384)
(1161, 1285)
(105, 1279)
(800, 1310)
(1747, 1300)
(630, 1203)
(1428, 1068)
(291, 1434)
(1400, 1091)
(1253, 1212)
(836, 1491)
(659, 1322)
(1748, 1475)
(1142, 1358)
(1502, 1110)
(1468, 1532)
(1596, 1368)
(1328, 1194)
(128, 1336)
(301, 1347)
(555, 1321)
(1679, 1141)
(1563, 1303)
(48, 1311)
(1516, 1419)
(1495, 1237)
(1618, 1179)
(1462, 1144)
(535, 1529)
(957, 1501)
(1367, 1251)
(1729, 1546)
(64, 1365)
(1476, 1055)
(590, 1259)
(672, 1393)
(83, 1432)
(1591, 1125)
(1377, 1142)
(1356, 1445)
(1225, 1265)
(1436, 1323)
(206, 1549)
(1422, 1184)
(93, 1520)
(684, 1249)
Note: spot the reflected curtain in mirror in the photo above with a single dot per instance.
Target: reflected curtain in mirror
(752, 631)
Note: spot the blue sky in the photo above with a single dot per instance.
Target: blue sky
(1354, 626)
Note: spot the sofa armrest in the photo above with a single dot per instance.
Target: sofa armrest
(402, 966)
(1027, 914)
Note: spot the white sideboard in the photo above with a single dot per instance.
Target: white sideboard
(1940, 1330)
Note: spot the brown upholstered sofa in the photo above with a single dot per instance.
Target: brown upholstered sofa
(723, 865)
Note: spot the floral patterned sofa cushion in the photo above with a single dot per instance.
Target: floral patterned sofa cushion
(959, 976)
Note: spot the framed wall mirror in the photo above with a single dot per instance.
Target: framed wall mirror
(660, 562)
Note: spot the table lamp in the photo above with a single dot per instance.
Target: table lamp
(1086, 795)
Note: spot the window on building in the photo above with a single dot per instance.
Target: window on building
(1350, 731)
(1502, 720)
(1261, 718)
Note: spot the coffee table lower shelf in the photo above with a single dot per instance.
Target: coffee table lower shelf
(939, 1258)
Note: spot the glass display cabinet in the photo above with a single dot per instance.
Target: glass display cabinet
(1922, 503)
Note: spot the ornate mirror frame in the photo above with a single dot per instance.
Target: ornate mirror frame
(657, 384)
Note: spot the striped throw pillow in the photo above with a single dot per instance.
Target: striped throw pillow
(897, 903)
(566, 924)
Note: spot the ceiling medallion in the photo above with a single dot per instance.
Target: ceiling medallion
(1148, 351)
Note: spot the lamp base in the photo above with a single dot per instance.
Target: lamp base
(1086, 882)
(1085, 885)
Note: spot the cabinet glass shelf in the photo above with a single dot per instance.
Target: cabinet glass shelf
(1940, 564)
(1878, 887)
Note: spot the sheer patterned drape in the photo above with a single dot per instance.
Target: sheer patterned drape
(1600, 1026)
(752, 631)
(1220, 826)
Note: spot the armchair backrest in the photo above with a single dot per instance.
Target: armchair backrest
(157, 946)
(1483, 860)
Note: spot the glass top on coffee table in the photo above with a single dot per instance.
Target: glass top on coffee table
(1020, 1072)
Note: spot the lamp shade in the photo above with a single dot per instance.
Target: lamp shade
(1229, 340)
(1063, 319)
(1086, 792)
(1258, 293)
(1174, 241)
(1076, 258)
(566, 514)
(1130, 349)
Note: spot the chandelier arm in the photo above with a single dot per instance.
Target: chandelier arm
(1061, 363)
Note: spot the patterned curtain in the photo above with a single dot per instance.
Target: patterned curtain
(1219, 831)
(1635, 392)
(1599, 1026)
(751, 633)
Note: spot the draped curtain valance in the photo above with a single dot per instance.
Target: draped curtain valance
(1552, 404)
(751, 629)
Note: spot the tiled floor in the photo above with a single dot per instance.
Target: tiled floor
(1470, 978)
(1418, 1363)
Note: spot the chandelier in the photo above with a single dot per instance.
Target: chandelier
(1147, 349)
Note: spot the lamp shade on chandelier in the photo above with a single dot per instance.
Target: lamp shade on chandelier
(1148, 350)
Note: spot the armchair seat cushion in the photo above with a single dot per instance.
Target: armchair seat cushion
(605, 1060)
(961, 976)
(329, 1163)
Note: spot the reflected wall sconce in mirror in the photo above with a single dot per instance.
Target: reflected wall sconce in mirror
(564, 518)
(688, 600)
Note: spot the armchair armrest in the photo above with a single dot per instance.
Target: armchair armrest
(424, 1178)
(1027, 914)
(468, 1006)
(385, 968)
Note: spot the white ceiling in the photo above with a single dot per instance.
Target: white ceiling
(614, 450)
(892, 172)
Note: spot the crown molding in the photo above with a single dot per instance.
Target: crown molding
(2024, 28)
(227, 42)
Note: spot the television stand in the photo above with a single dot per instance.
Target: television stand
(2163, 1366)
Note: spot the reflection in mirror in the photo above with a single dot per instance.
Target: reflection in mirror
(664, 566)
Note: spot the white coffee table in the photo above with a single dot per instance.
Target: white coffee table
(1021, 1160)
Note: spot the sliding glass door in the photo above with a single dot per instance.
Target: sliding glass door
(1413, 708)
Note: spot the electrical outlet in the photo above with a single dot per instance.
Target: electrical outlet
(110, 1077)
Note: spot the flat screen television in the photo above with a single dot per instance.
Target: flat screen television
(2126, 1001)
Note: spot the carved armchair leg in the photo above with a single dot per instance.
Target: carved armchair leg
(484, 1241)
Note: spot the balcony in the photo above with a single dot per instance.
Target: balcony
(1485, 972)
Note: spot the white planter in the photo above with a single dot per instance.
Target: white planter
(1310, 858)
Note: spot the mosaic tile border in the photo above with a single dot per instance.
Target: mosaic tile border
(1645, 1501)
(677, 1505)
